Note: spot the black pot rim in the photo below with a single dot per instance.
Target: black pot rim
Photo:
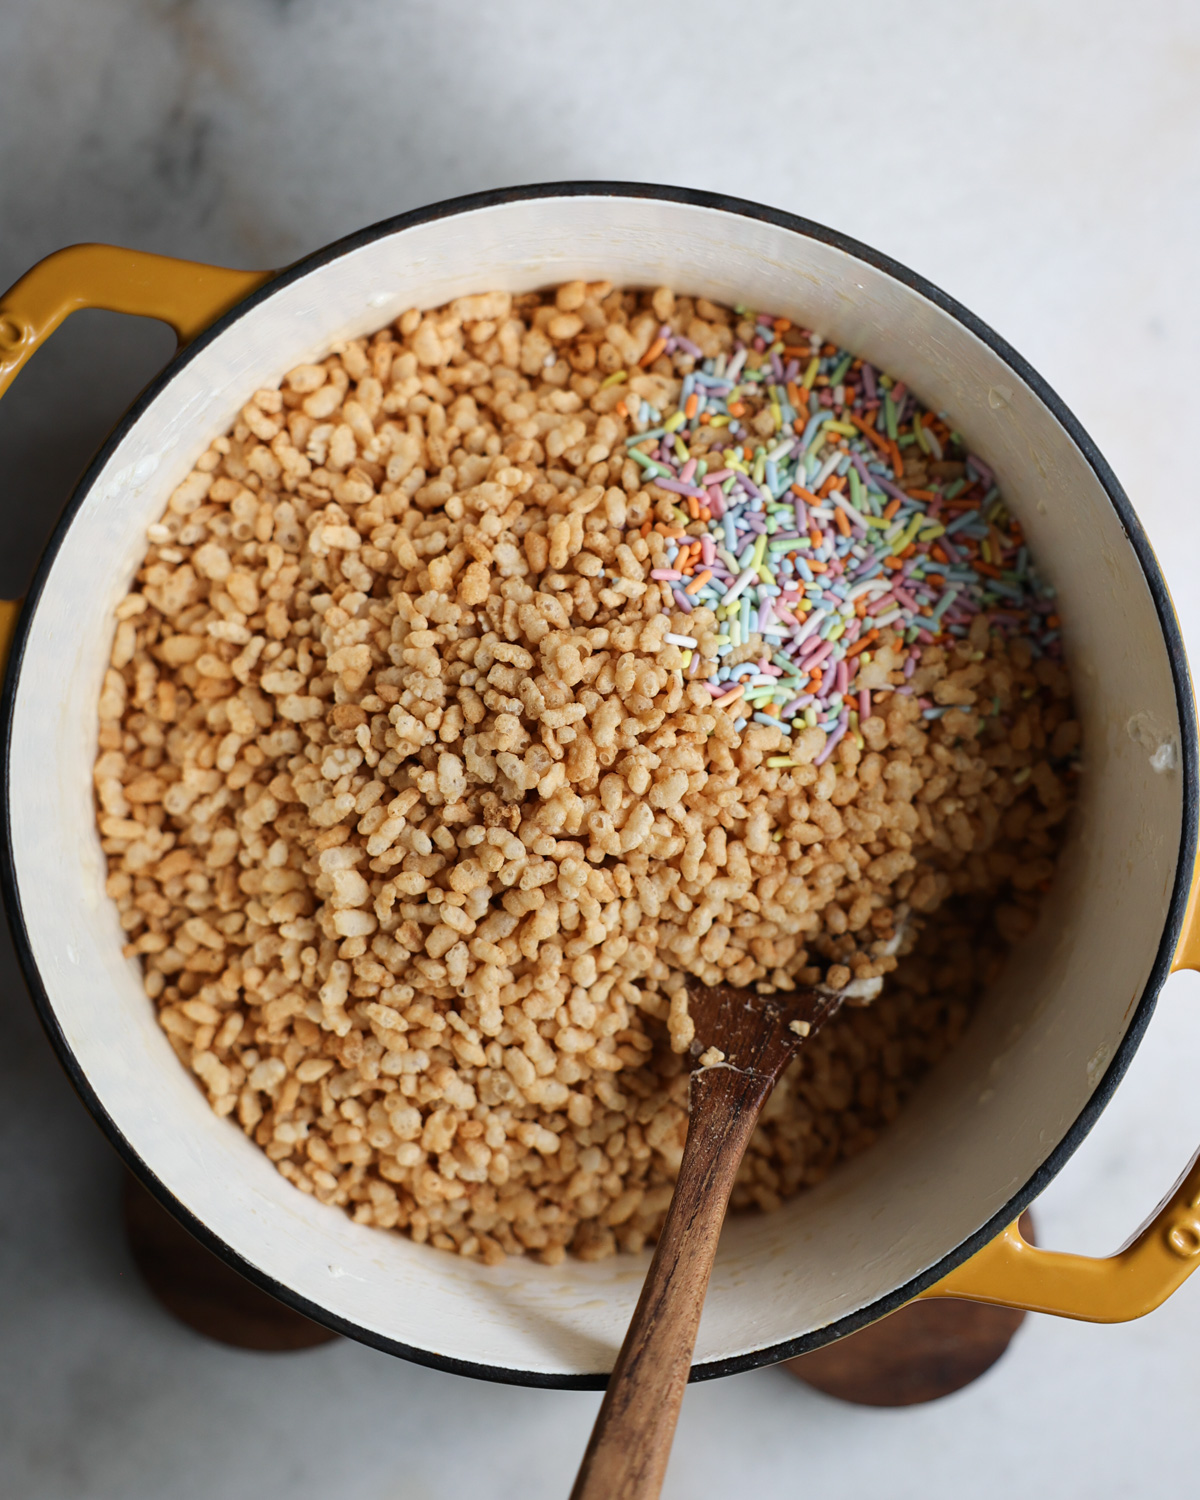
(770, 1354)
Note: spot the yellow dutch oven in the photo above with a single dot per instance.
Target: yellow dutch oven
(930, 1210)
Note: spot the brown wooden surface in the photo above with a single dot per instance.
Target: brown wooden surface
(626, 1458)
(201, 1290)
(921, 1352)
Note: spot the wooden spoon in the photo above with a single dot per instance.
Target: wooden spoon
(627, 1454)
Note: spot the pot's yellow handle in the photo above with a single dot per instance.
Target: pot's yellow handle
(182, 293)
(1010, 1272)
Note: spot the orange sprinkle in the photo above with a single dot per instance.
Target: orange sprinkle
(869, 432)
(841, 520)
(982, 567)
(936, 579)
(651, 354)
(830, 484)
(888, 562)
(781, 325)
(860, 609)
(772, 709)
(798, 489)
(705, 513)
(737, 409)
(863, 642)
(621, 409)
(817, 565)
(890, 509)
(1053, 621)
(705, 418)
(908, 551)
(923, 494)
(693, 507)
(698, 582)
(815, 537)
(645, 529)
(793, 395)
(672, 533)
(936, 552)
(728, 698)
(897, 461)
(689, 410)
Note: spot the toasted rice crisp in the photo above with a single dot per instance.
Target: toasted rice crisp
(418, 824)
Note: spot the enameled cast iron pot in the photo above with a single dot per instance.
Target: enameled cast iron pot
(929, 1207)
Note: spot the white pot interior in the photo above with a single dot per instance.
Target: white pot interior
(982, 1123)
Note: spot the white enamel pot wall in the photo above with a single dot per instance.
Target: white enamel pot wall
(989, 1126)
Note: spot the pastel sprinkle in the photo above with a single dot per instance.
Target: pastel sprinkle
(818, 543)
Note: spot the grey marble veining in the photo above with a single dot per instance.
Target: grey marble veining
(1041, 163)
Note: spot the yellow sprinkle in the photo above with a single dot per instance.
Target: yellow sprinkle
(847, 429)
(931, 533)
(909, 533)
(810, 374)
(615, 378)
(675, 421)
(781, 760)
(760, 551)
(687, 657)
(720, 421)
(921, 436)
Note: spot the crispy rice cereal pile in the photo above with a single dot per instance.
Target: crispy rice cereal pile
(417, 824)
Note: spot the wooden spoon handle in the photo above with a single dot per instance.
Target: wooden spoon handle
(626, 1457)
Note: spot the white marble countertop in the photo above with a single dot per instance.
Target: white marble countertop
(1039, 162)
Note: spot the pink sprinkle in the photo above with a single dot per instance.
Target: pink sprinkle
(666, 575)
(689, 468)
(842, 680)
(864, 704)
(708, 549)
(719, 477)
(716, 503)
(818, 655)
